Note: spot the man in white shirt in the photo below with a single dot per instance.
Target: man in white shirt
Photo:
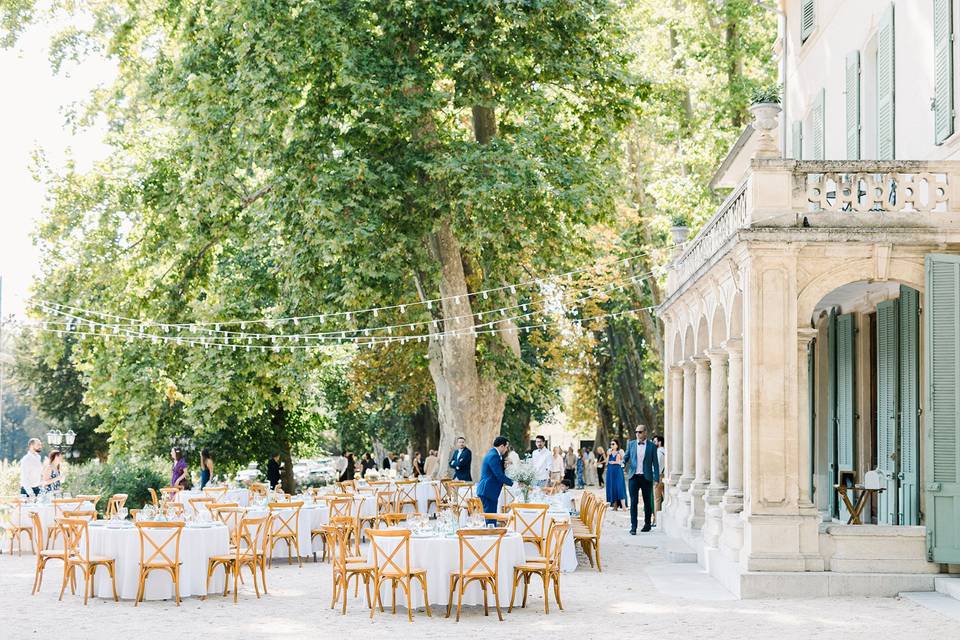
(31, 468)
(541, 460)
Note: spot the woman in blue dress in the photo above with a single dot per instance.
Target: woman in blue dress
(580, 469)
(206, 468)
(616, 487)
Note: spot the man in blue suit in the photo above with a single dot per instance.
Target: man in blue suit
(460, 461)
(643, 469)
(492, 477)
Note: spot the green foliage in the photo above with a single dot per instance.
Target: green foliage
(121, 474)
(766, 95)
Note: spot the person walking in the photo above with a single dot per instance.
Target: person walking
(589, 467)
(31, 469)
(350, 470)
(460, 461)
(492, 477)
(643, 469)
(431, 464)
(616, 488)
(601, 459)
(179, 477)
(570, 467)
(556, 467)
(52, 476)
(206, 468)
(541, 460)
(581, 460)
(658, 488)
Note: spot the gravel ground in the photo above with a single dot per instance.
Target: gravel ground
(621, 600)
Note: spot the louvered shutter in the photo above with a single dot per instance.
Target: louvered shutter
(808, 19)
(797, 140)
(909, 452)
(852, 105)
(816, 126)
(832, 411)
(942, 69)
(812, 409)
(942, 458)
(846, 391)
(888, 371)
(885, 87)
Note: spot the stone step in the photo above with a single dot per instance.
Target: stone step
(679, 551)
(948, 586)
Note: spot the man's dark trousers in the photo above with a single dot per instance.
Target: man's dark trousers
(639, 484)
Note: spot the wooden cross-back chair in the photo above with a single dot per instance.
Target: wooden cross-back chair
(501, 519)
(174, 508)
(247, 543)
(259, 489)
(169, 494)
(508, 498)
(462, 492)
(387, 546)
(406, 495)
(345, 568)
(338, 508)
(479, 562)
(587, 532)
(92, 498)
(474, 506)
(347, 486)
(159, 551)
(202, 504)
(217, 493)
(76, 542)
(89, 515)
(43, 554)
(230, 517)
(394, 519)
(19, 528)
(386, 499)
(153, 497)
(530, 521)
(114, 504)
(286, 527)
(548, 570)
(61, 505)
(436, 496)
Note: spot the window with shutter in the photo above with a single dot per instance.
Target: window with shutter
(942, 423)
(888, 371)
(852, 105)
(942, 69)
(832, 412)
(808, 19)
(797, 140)
(886, 148)
(816, 127)
(909, 450)
(846, 392)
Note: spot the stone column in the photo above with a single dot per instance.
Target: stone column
(675, 444)
(718, 447)
(805, 453)
(689, 405)
(732, 504)
(702, 458)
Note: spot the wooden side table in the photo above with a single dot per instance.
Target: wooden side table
(857, 509)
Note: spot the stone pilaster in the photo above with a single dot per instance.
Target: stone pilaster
(718, 447)
(702, 443)
(688, 443)
(732, 503)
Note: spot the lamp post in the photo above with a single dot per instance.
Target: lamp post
(63, 441)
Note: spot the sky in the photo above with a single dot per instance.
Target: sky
(32, 113)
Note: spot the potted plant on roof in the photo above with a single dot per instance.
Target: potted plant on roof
(765, 109)
(679, 230)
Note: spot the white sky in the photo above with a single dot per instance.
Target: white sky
(32, 117)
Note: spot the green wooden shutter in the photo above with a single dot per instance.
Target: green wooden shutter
(846, 391)
(832, 412)
(797, 140)
(942, 69)
(812, 411)
(941, 455)
(852, 105)
(888, 370)
(886, 68)
(909, 453)
(808, 19)
(816, 126)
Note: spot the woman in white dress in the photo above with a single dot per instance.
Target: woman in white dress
(556, 467)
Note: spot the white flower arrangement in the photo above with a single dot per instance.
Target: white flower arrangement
(523, 474)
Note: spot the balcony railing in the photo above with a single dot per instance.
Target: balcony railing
(865, 186)
(731, 215)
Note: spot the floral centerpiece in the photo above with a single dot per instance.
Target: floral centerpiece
(523, 475)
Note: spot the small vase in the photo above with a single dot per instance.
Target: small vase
(526, 493)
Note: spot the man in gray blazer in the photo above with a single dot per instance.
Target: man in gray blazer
(643, 469)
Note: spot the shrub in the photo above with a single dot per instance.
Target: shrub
(122, 474)
(9, 479)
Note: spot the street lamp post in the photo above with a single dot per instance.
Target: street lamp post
(63, 441)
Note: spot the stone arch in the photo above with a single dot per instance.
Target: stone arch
(907, 272)
(718, 327)
(735, 316)
(688, 346)
(702, 341)
(677, 354)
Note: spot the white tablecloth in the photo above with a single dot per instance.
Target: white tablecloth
(45, 510)
(123, 545)
(312, 516)
(440, 556)
(238, 496)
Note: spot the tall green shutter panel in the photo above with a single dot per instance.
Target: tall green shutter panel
(852, 104)
(797, 140)
(832, 411)
(888, 371)
(885, 87)
(816, 126)
(846, 390)
(909, 325)
(808, 19)
(942, 69)
(941, 455)
(812, 409)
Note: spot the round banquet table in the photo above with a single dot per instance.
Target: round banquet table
(197, 544)
(46, 511)
(312, 516)
(238, 496)
(440, 557)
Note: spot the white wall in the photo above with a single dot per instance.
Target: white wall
(845, 25)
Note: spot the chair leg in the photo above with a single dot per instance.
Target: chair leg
(112, 568)
(333, 600)
(495, 585)
(596, 552)
(63, 587)
(453, 582)
(546, 592)
(376, 596)
(140, 581)
(366, 585)
(253, 572)
(526, 585)
(556, 591)
(486, 607)
(393, 590)
(513, 591)
(426, 597)
(176, 584)
(87, 579)
(460, 589)
(409, 603)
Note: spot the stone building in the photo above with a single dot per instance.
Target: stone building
(812, 326)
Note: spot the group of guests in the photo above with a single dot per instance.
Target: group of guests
(180, 475)
(37, 475)
(643, 464)
(404, 465)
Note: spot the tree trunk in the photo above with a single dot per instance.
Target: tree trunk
(426, 429)
(278, 421)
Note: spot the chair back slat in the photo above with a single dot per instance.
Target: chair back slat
(231, 517)
(480, 552)
(529, 520)
(340, 507)
(286, 517)
(160, 543)
(217, 493)
(115, 503)
(76, 541)
(391, 550)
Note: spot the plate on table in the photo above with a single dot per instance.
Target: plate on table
(200, 525)
(98, 523)
(118, 525)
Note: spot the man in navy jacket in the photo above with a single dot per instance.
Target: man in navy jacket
(492, 477)
(643, 469)
(460, 461)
